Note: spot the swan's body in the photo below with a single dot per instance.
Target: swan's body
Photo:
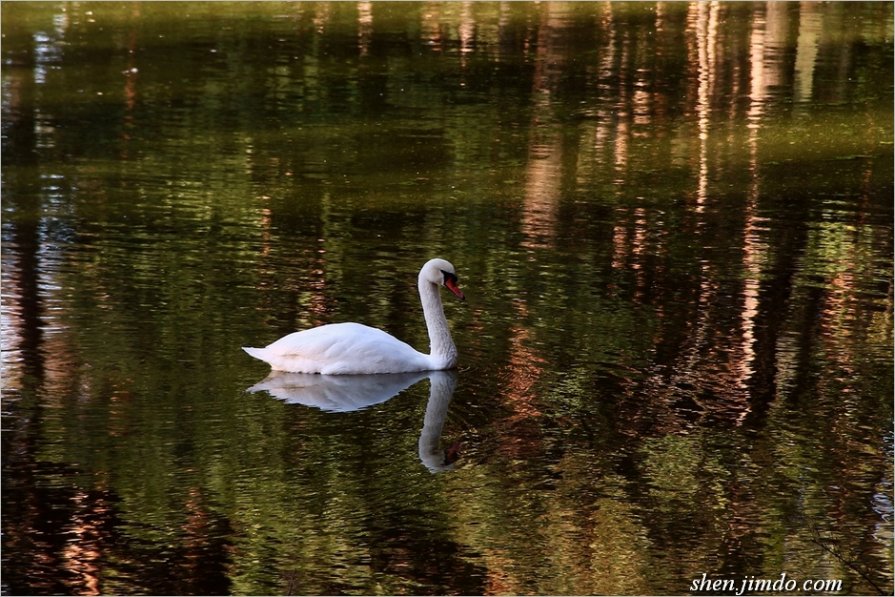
(354, 348)
(342, 348)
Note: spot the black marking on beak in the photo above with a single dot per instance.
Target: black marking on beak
(451, 283)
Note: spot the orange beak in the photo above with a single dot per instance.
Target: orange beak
(451, 285)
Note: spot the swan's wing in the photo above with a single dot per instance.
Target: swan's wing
(341, 348)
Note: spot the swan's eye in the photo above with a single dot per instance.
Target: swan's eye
(449, 277)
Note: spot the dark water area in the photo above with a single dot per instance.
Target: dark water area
(673, 223)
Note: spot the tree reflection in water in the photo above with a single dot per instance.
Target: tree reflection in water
(676, 224)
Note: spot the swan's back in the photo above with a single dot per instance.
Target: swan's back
(341, 348)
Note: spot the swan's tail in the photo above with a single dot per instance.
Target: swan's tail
(277, 362)
(258, 353)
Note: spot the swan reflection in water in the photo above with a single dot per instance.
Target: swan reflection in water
(347, 393)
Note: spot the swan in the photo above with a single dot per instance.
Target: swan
(356, 349)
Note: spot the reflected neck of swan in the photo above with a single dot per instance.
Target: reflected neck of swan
(441, 390)
(442, 352)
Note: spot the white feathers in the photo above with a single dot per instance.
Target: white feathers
(354, 348)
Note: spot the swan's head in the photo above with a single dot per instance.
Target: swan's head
(442, 273)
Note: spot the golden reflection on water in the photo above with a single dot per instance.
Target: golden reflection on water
(748, 331)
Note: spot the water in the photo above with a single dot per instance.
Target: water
(672, 222)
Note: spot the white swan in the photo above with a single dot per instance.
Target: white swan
(353, 348)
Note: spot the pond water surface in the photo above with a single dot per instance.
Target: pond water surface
(673, 223)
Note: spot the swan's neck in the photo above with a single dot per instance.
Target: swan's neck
(442, 351)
